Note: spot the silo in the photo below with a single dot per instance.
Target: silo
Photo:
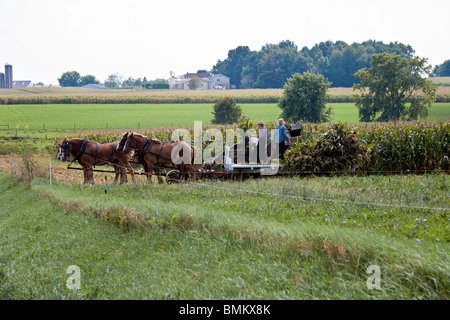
(8, 76)
(2, 80)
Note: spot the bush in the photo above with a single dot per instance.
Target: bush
(226, 111)
(304, 97)
(337, 150)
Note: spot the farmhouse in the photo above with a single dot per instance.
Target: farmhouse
(207, 81)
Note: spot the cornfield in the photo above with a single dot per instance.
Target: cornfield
(88, 96)
(372, 148)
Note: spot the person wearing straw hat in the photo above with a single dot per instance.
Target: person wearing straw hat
(262, 130)
(281, 137)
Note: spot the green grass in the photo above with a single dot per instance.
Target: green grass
(192, 242)
(441, 81)
(32, 118)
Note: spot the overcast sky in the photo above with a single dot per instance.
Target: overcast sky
(143, 38)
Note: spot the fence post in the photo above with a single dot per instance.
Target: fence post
(106, 190)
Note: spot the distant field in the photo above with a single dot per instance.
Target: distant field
(441, 81)
(136, 96)
(133, 116)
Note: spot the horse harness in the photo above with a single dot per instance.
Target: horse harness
(82, 151)
(146, 149)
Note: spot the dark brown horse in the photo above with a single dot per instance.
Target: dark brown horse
(154, 154)
(90, 154)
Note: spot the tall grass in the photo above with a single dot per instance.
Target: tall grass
(226, 243)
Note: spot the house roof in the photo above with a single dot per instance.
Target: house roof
(21, 83)
(94, 86)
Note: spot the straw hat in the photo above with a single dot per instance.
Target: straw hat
(281, 121)
(261, 123)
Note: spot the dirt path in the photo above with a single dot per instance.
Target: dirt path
(13, 164)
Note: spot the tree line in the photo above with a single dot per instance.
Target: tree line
(115, 80)
(271, 66)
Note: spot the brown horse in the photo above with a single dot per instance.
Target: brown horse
(153, 153)
(89, 154)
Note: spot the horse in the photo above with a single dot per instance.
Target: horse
(89, 154)
(152, 153)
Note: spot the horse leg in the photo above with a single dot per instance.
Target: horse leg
(144, 164)
(123, 175)
(148, 170)
(130, 171)
(85, 180)
(116, 178)
(91, 175)
(191, 172)
(158, 173)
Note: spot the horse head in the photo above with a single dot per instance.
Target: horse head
(130, 143)
(122, 142)
(64, 150)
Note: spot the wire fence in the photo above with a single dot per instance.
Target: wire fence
(265, 194)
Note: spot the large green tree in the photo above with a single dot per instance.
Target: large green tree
(390, 86)
(70, 79)
(443, 70)
(271, 66)
(304, 98)
(87, 79)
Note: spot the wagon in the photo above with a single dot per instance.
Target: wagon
(224, 167)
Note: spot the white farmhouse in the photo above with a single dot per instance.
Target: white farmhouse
(208, 81)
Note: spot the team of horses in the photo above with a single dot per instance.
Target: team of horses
(151, 153)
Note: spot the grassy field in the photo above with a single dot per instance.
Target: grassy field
(221, 241)
(275, 238)
(441, 81)
(40, 118)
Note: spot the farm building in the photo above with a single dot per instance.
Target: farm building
(208, 81)
(21, 84)
(94, 86)
(7, 82)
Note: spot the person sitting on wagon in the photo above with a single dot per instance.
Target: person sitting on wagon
(262, 130)
(262, 135)
(281, 137)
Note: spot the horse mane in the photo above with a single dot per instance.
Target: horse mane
(145, 137)
(138, 134)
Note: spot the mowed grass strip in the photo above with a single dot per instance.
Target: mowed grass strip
(133, 116)
(327, 246)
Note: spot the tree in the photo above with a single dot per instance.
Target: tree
(194, 83)
(70, 79)
(84, 80)
(113, 81)
(304, 97)
(226, 111)
(443, 70)
(392, 82)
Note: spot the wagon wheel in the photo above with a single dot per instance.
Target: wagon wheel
(173, 176)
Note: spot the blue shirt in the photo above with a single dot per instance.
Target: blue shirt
(281, 134)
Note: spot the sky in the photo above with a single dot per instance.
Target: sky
(42, 39)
